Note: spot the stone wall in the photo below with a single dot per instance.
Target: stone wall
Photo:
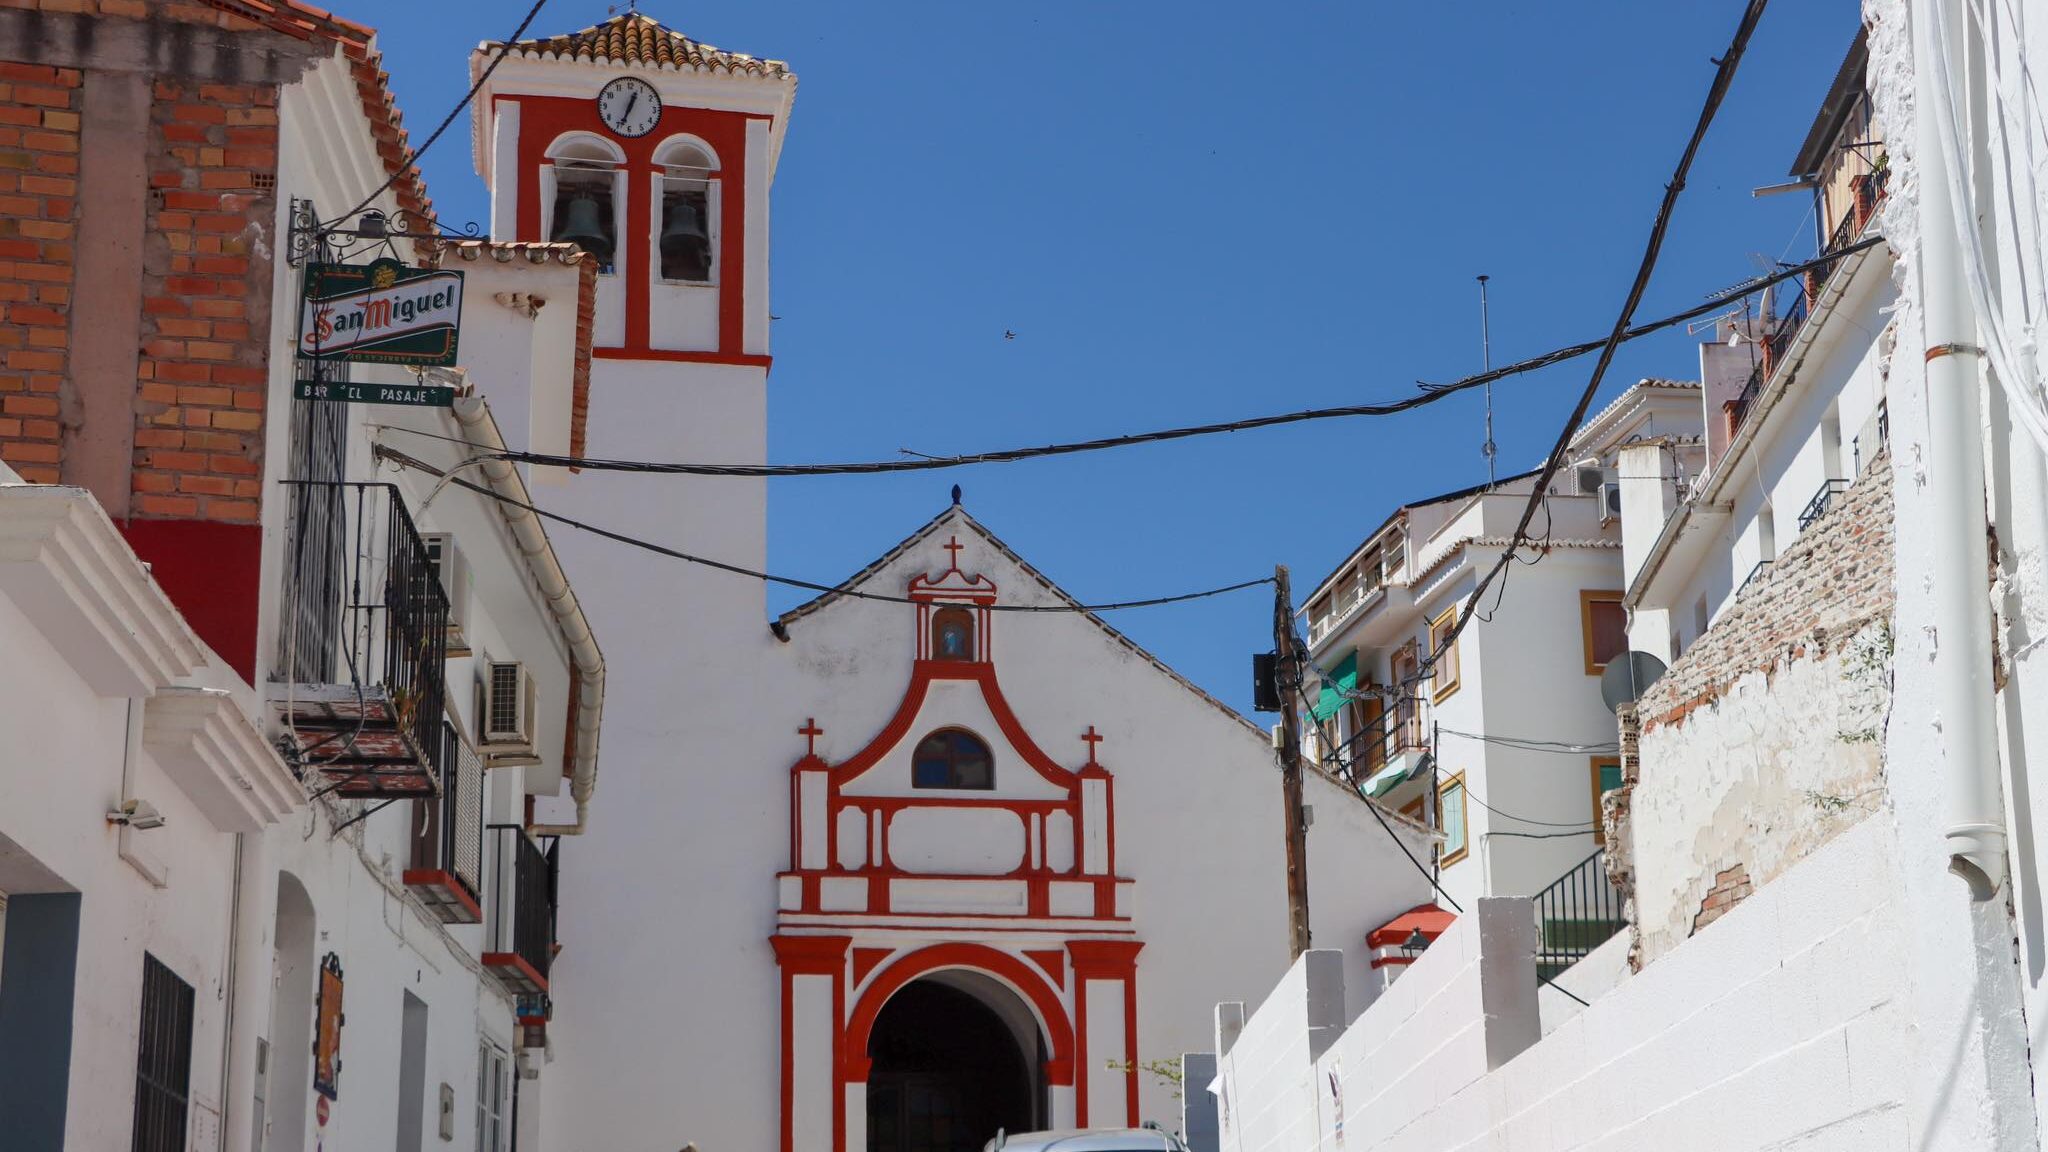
(1765, 740)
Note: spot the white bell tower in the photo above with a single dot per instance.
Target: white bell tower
(654, 153)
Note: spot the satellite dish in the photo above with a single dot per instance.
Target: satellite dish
(1627, 678)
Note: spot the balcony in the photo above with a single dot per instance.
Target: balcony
(446, 872)
(362, 646)
(1390, 749)
(1867, 192)
(1818, 506)
(520, 931)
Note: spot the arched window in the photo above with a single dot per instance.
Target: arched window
(688, 188)
(952, 758)
(585, 201)
(952, 634)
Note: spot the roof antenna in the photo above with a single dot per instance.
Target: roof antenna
(1486, 364)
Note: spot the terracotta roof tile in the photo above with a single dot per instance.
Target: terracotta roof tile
(633, 38)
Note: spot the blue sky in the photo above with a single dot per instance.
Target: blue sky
(1191, 212)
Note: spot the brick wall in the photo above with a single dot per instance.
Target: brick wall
(38, 222)
(1834, 579)
(205, 305)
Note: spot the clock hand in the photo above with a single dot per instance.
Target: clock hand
(631, 99)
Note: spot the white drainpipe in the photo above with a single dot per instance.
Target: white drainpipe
(505, 480)
(1955, 485)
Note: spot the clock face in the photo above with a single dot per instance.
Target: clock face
(629, 106)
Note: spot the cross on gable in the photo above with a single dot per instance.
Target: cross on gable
(1092, 737)
(953, 545)
(810, 732)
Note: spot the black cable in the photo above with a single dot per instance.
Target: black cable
(1430, 394)
(1724, 75)
(1371, 805)
(836, 590)
(412, 161)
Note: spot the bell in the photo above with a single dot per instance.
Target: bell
(583, 226)
(683, 238)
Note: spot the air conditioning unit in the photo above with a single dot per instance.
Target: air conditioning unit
(1590, 477)
(1610, 501)
(507, 714)
(453, 572)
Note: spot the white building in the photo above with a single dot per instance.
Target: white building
(277, 708)
(1505, 745)
(1828, 836)
(931, 855)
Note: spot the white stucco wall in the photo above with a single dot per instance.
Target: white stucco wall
(1782, 1026)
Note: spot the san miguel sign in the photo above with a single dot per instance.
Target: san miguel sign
(380, 313)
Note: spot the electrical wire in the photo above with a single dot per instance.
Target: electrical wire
(1430, 394)
(1528, 744)
(1724, 76)
(793, 582)
(412, 162)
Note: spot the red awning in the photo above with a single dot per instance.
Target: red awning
(1431, 919)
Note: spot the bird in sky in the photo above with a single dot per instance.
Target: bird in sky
(1009, 335)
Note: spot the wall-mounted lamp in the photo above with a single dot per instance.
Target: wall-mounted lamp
(140, 815)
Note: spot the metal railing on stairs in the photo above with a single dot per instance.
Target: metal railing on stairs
(1575, 915)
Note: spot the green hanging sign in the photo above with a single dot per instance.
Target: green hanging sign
(380, 313)
(358, 392)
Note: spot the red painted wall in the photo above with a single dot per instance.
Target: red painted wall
(543, 119)
(211, 571)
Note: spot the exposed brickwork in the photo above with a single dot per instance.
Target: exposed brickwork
(1833, 580)
(1731, 887)
(39, 122)
(206, 301)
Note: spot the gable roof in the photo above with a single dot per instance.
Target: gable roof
(632, 38)
(958, 515)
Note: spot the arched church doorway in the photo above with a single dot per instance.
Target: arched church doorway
(956, 1056)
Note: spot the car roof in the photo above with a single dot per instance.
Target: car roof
(1091, 1140)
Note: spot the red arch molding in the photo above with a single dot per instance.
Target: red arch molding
(1021, 977)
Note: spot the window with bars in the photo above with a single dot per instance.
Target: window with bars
(163, 1067)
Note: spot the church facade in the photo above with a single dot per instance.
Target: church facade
(936, 853)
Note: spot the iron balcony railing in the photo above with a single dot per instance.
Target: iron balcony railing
(1575, 915)
(1379, 740)
(364, 611)
(1818, 506)
(448, 835)
(521, 922)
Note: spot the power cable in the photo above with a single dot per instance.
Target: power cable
(412, 161)
(1724, 76)
(791, 581)
(1430, 394)
(1528, 744)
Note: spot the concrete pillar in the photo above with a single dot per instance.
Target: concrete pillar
(1197, 1103)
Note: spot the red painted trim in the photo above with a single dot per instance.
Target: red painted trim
(807, 956)
(1053, 961)
(1104, 959)
(1392, 961)
(513, 970)
(865, 959)
(922, 676)
(1428, 917)
(1131, 1048)
(543, 119)
(213, 572)
(444, 887)
(811, 955)
(1019, 976)
(684, 356)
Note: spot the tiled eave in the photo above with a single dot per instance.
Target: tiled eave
(201, 739)
(66, 566)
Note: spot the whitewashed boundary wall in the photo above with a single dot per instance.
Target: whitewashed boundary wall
(1780, 1026)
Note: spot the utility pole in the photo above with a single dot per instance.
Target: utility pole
(1287, 674)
